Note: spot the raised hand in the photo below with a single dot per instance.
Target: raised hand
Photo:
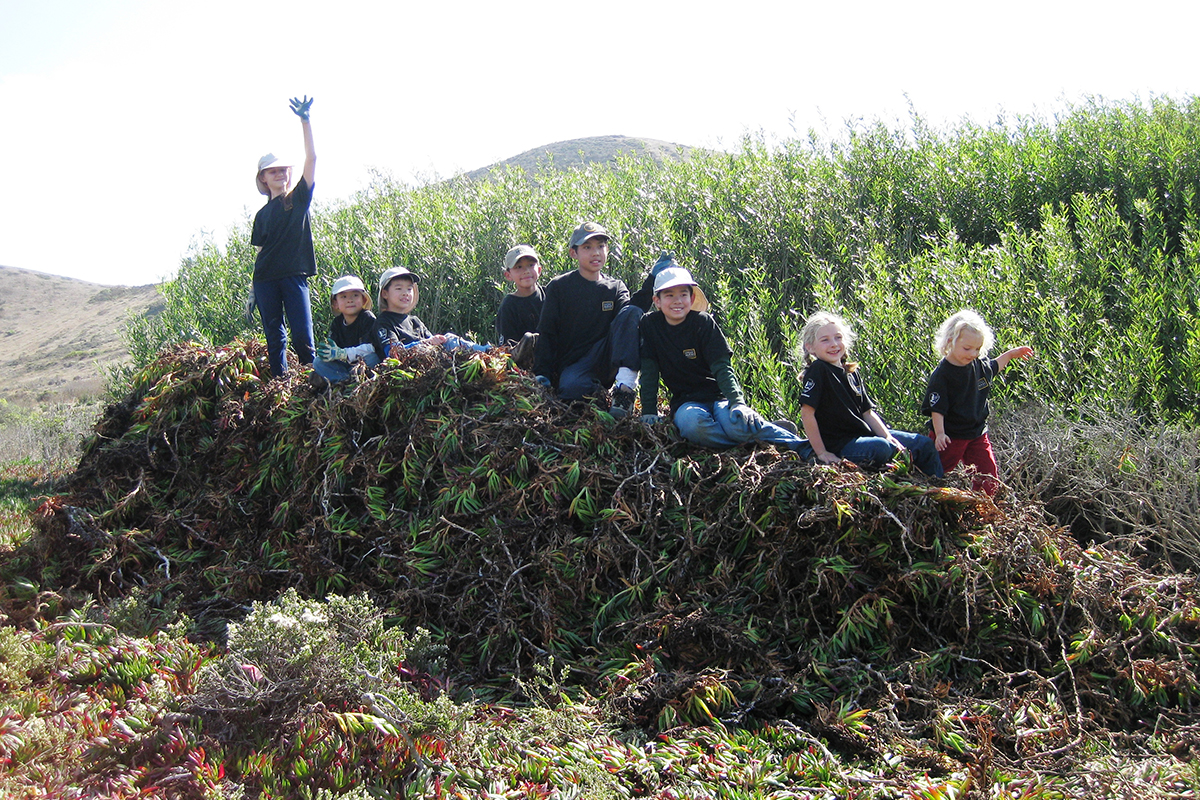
(300, 107)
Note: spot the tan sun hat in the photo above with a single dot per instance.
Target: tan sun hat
(269, 160)
(678, 276)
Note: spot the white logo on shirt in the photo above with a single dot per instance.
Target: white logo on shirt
(934, 398)
(607, 305)
(689, 353)
(808, 386)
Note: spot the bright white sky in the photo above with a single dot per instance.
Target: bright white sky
(129, 128)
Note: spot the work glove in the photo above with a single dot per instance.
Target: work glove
(358, 352)
(543, 380)
(328, 351)
(665, 260)
(742, 414)
(250, 304)
(453, 340)
(300, 107)
(650, 419)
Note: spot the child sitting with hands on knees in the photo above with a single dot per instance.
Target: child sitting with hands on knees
(683, 344)
(839, 416)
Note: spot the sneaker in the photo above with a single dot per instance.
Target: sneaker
(622, 402)
(787, 425)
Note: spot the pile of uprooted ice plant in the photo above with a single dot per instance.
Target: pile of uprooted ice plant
(680, 585)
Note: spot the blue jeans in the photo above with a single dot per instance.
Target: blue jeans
(274, 299)
(596, 370)
(709, 425)
(875, 451)
(338, 371)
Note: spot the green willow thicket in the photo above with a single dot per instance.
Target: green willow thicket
(1077, 235)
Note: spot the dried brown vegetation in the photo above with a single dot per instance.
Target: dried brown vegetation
(682, 585)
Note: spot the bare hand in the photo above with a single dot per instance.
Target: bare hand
(1025, 351)
(941, 442)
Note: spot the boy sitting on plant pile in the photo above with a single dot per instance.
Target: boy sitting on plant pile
(587, 334)
(685, 346)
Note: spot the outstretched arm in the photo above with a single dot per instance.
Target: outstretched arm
(300, 108)
(1024, 351)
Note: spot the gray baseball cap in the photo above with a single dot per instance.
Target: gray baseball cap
(588, 230)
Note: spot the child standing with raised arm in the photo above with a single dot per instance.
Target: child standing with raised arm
(282, 235)
(354, 333)
(687, 349)
(956, 396)
(839, 416)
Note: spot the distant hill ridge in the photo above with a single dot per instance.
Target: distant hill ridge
(588, 150)
(55, 348)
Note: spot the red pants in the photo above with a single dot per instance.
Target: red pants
(977, 453)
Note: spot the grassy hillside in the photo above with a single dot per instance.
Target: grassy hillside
(579, 152)
(57, 348)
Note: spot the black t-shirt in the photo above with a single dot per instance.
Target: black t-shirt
(285, 236)
(577, 314)
(840, 400)
(961, 394)
(402, 328)
(519, 315)
(685, 354)
(364, 330)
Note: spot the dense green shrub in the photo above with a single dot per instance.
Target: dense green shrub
(1077, 235)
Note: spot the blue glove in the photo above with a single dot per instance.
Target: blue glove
(328, 351)
(300, 107)
(250, 304)
(650, 419)
(665, 260)
(453, 340)
(543, 380)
